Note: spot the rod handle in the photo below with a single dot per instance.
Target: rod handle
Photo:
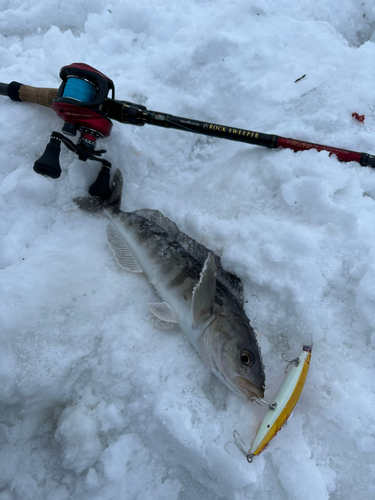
(41, 96)
(25, 93)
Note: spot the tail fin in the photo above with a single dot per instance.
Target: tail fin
(96, 206)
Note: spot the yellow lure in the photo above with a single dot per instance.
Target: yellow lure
(283, 403)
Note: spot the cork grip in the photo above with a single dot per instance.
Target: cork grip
(36, 95)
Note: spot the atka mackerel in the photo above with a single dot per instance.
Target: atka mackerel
(195, 291)
(204, 299)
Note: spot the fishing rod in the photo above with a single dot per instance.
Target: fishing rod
(83, 102)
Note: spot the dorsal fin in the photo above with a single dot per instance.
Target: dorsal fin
(197, 250)
(158, 218)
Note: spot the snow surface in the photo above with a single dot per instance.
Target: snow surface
(98, 404)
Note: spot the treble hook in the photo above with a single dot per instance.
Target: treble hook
(271, 406)
(294, 362)
(240, 445)
(239, 442)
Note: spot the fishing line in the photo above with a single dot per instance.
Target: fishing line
(79, 90)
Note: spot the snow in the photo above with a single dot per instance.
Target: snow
(96, 402)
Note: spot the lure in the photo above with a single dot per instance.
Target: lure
(283, 403)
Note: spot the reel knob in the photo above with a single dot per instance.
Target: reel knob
(49, 164)
(100, 188)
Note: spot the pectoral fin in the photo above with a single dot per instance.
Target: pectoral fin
(163, 311)
(204, 292)
(121, 251)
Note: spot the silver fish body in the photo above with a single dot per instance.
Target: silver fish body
(196, 292)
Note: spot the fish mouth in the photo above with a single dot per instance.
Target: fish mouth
(248, 389)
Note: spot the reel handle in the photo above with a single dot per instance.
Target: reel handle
(25, 93)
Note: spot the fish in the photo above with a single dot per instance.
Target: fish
(195, 291)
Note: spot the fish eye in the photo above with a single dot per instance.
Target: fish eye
(246, 358)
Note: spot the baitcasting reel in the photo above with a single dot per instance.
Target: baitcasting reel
(79, 103)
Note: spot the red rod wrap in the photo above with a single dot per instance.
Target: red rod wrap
(342, 154)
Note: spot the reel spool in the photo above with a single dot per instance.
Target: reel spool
(79, 103)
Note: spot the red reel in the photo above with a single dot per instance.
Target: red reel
(80, 100)
(80, 103)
